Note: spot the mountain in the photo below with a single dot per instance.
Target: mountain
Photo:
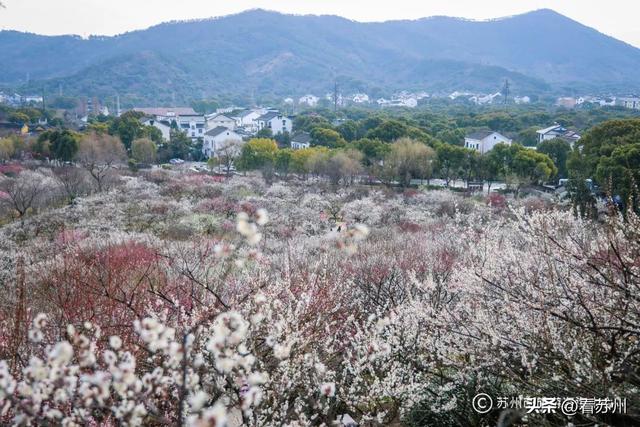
(266, 53)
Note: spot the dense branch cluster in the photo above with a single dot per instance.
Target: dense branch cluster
(176, 299)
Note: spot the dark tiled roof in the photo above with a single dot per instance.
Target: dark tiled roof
(268, 116)
(480, 135)
(217, 131)
(301, 137)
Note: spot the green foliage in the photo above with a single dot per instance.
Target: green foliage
(349, 130)
(528, 137)
(532, 166)
(62, 102)
(179, 147)
(283, 139)
(373, 150)
(389, 131)
(6, 149)
(144, 150)
(301, 159)
(205, 106)
(610, 153)
(451, 161)
(257, 153)
(408, 160)
(558, 150)
(19, 118)
(451, 136)
(283, 160)
(306, 122)
(62, 144)
(326, 138)
(128, 127)
(264, 133)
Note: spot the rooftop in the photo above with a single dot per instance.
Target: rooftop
(217, 131)
(479, 135)
(301, 137)
(551, 128)
(268, 116)
(168, 112)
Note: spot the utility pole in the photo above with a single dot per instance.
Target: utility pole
(335, 96)
(505, 91)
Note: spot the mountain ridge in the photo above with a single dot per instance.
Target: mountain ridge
(276, 54)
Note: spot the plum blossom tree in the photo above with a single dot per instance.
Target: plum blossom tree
(312, 315)
(29, 190)
(98, 153)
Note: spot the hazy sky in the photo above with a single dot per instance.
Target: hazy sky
(618, 18)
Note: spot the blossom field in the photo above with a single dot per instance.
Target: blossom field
(178, 298)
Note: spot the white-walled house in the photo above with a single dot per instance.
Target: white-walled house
(246, 119)
(164, 128)
(215, 138)
(215, 120)
(360, 98)
(301, 140)
(631, 103)
(166, 114)
(310, 100)
(275, 121)
(484, 141)
(186, 119)
(193, 126)
(557, 131)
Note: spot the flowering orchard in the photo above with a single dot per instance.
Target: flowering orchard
(176, 299)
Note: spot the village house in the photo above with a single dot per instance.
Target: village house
(309, 100)
(163, 127)
(485, 99)
(484, 141)
(360, 98)
(192, 125)
(275, 121)
(185, 118)
(215, 138)
(301, 140)
(567, 102)
(557, 131)
(215, 120)
(246, 119)
(631, 103)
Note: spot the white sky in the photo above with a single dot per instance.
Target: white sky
(618, 18)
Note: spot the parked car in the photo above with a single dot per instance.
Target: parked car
(176, 161)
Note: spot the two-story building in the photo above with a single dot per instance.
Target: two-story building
(184, 118)
(218, 137)
(557, 131)
(276, 121)
(215, 120)
(484, 141)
